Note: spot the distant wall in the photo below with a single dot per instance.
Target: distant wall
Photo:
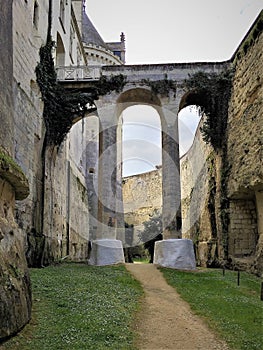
(142, 195)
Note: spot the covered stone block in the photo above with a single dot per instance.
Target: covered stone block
(106, 252)
(175, 253)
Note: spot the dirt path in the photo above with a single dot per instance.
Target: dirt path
(166, 321)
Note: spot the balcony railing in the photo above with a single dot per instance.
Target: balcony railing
(68, 73)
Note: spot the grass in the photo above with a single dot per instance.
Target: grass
(235, 312)
(80, 307)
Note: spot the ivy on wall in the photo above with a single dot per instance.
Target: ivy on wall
(106, 85)
(162, 87)
(62, 106)
(212, 92)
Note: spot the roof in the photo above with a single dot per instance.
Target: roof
(90, 34)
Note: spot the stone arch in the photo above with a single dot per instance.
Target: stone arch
(106, 248)
(190, 98)
(138, 95)
(170, 152)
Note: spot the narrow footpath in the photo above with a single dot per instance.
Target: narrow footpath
(165, 320)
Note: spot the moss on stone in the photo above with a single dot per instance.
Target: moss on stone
(250, 39)
(12, 173)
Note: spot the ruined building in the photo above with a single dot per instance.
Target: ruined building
(62, 93)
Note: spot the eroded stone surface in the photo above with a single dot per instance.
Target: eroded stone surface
(15, 288)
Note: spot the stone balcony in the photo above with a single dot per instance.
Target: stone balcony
(78, 73)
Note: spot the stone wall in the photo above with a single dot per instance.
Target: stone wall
(198, 173)
(240, 170)
(142, 196)
(245, 154)
(15, 288)
(48, 217)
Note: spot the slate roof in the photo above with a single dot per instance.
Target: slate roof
(90, 34)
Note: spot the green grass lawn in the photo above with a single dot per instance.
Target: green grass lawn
(235, 312)
(79, 307)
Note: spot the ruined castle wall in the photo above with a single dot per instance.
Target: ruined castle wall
(15, 288)
(66, 209)
(245, 126)
(47, 236)
(197, 168)
(245, 154)
(28, 107)
(6, 69)
(202, 213)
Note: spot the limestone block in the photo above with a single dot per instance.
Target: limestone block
(175, 253)
(106, 252)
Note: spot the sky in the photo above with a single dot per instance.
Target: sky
(169, 31)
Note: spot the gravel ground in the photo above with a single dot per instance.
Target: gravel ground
(165, 320)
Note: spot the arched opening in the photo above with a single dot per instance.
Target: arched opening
(188, 121)
(141, 140)
(60, 52)
(142, 178)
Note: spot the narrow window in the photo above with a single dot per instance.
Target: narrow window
(71, 39)
(62, 11)
(36, 14)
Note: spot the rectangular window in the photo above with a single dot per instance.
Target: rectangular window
(117, 53)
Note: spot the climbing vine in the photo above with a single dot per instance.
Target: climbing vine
(212, 93)
(162, 87)
(62, 106)
(106, 85)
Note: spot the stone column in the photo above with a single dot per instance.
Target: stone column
(171, 184)
(172, 251)
(106, 249)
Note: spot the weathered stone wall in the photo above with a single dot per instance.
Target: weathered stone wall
(245, 154)
(241, 172)
(48, 217)
(6, 69)
(198, 169)
(15, 289)
(142, 196)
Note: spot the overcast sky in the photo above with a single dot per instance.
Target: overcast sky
(169, 31)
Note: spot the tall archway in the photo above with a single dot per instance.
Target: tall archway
(110, 108)
(142, 171)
